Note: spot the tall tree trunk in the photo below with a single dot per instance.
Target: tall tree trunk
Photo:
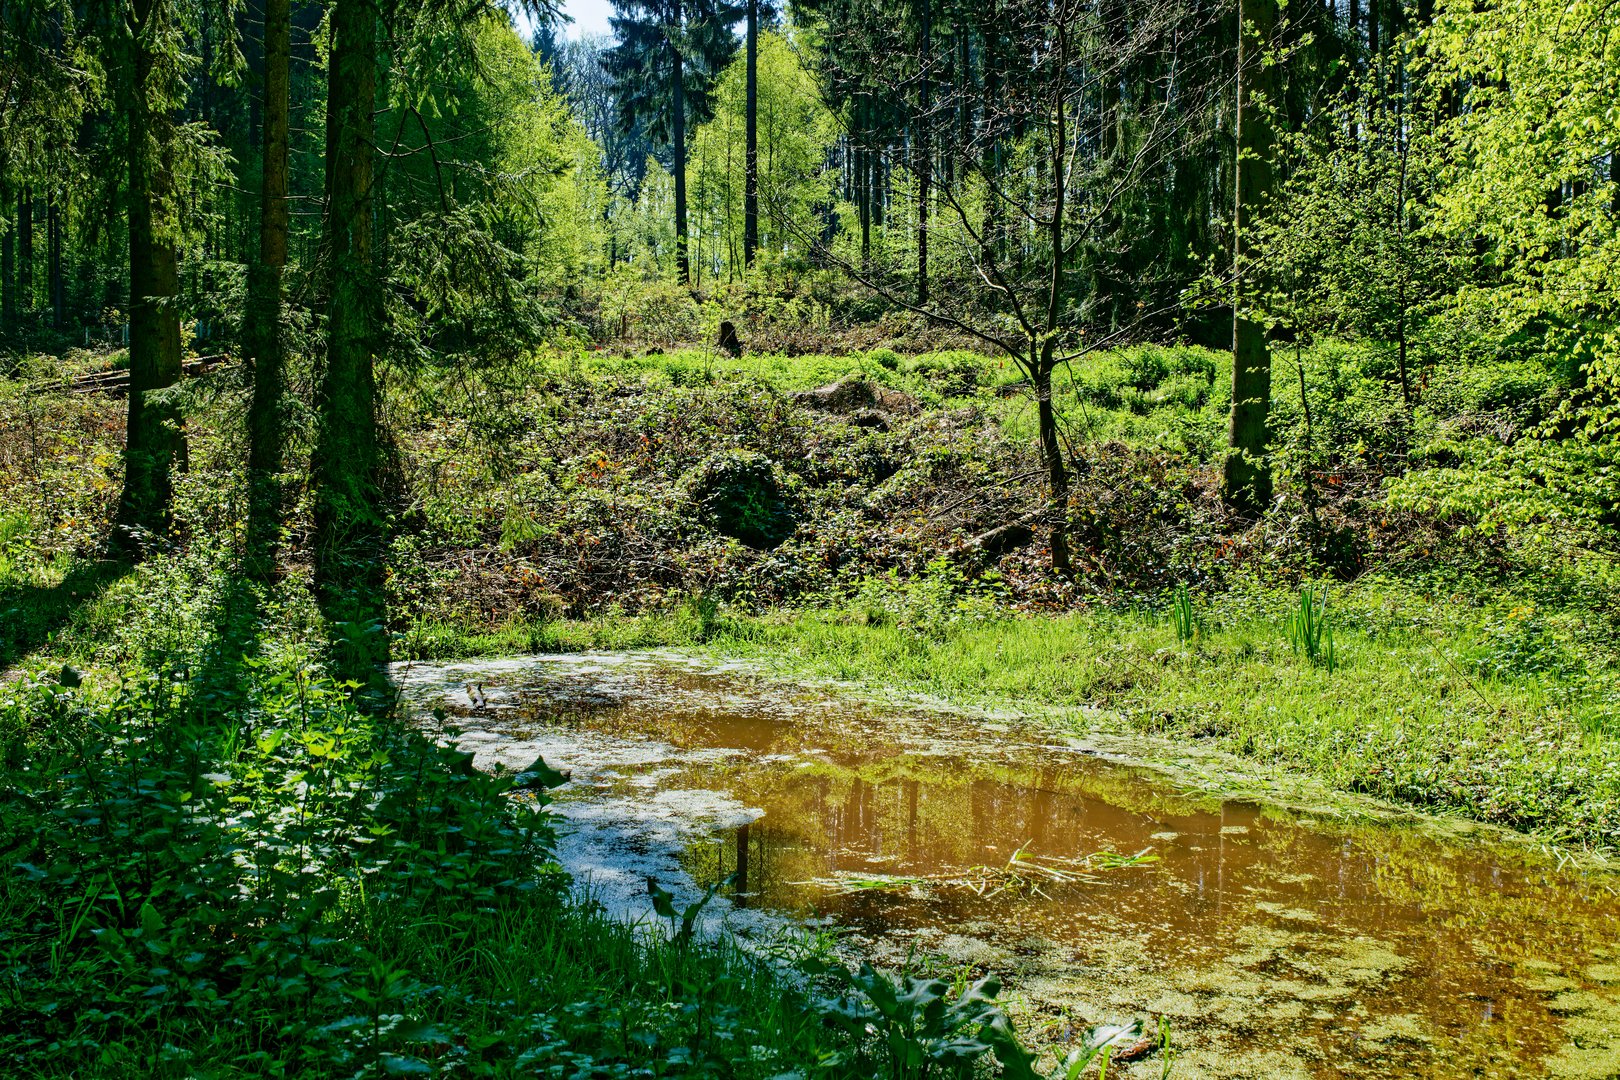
(1057, 475)
(751, 158)
(964, 77)
(863, 180)
(1352, 86)
(54, 285)
(924, 168)
(261, 336)
(25, 248)
(347, 521)
(1057, 478)
(8, 270)
(924, 153)
(1403, 270)
(1112, 119)
(877, 171)
(678, 93)
(1246, 481)
(990, 87)
(155, 441)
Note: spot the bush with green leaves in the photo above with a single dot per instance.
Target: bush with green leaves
(172, 873)
(738, 494)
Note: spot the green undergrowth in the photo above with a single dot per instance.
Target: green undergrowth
(215, 864)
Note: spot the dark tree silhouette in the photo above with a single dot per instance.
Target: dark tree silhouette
(261, 333)
(758, 11)
(1246, 483)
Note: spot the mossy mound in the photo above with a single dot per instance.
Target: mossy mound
(740, 495)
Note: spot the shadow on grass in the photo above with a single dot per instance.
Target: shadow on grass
(359, 647)
(222, 678)
(31, 614)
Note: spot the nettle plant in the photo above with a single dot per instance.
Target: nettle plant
(214, 879)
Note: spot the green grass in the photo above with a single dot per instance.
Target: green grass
(1400, 716)
(1428, 703)
(443, 639)
(36, 606)
(1148, 396)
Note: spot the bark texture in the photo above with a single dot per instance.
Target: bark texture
(347, 522)
(155, 442)
(261, 336)
(1246, 480)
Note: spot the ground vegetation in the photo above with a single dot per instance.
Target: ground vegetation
(1241, 375)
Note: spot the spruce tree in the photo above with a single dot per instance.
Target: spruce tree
(261, 332)
(1246, 482)
(669, 54)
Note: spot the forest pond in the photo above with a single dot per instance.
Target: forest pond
(1277, 943)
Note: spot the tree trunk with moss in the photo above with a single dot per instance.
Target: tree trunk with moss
(155, 442)
(261, 335)
(1246, 479)
(1057, 474)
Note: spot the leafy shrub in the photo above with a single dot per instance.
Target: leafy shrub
(1518, 386)
(178, 874)
(953, 372)
(929, 603)
(658, 313)
(14, 542)
(1145, 368)
(740, 496)
(907, 1028)
(1523, 643)
(887, 359)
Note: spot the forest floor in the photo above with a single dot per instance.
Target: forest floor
(864, 517)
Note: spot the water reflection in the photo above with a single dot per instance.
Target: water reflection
(1279, 944)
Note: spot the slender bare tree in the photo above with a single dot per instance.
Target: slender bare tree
(1047, 161)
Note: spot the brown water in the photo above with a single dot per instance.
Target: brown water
(1277, 943)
